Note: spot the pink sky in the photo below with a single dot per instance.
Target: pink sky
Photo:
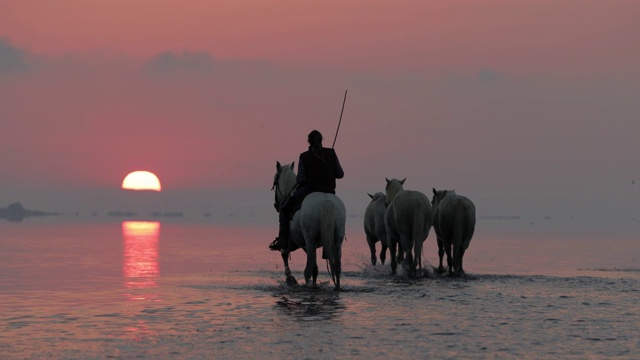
(493, 98)
(398, 36)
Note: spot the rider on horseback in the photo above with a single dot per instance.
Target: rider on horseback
(318, 169)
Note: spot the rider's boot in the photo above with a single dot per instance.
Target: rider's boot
(282, 241)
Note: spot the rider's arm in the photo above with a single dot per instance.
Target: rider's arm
(339, 171)
(302, 171)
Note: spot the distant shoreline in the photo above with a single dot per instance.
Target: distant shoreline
(15, 212)
(500, 217)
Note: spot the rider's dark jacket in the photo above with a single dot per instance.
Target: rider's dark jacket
(319, 173)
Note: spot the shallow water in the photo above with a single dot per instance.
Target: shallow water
(150, 290)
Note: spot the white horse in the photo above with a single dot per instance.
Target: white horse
(320, 222)
(374, 227)
(408, 220)
(454, 223)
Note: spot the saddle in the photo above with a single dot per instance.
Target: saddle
(300, 198)
(295, 209)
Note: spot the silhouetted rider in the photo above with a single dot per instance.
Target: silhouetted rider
(318, 169)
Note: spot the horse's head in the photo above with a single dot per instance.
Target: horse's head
(394, 186)
(438, 195)
(376, 196)
(283, 182)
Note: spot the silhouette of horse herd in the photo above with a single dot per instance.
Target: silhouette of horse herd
(399, 219)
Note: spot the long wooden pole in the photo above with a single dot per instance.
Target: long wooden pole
(340, 122)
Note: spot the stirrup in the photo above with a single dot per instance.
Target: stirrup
(276, 245)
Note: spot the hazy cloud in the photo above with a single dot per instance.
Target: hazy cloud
(12, 59)
(171, 62)
(486, 76)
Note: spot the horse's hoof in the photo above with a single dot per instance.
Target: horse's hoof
(291, 281)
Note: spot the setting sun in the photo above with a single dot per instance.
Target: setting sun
(141, 180)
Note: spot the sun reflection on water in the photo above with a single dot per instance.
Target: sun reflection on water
(140, 265)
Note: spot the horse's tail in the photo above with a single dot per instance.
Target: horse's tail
(466, 224)
(327, 234)
(418, 230)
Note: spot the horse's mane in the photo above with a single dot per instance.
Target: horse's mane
(376, 196)
(394, 186)
(438, 195)
(287, 178)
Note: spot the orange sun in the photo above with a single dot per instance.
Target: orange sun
(141, 180)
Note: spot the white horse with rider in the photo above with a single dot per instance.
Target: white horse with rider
(319, 223)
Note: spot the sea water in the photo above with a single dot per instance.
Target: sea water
(147, 289)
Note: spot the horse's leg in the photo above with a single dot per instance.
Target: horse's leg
(408, 264)
(285, 260)
(392, 254)
(456, 256)
(383, 251)
(447, 249)
(440, 254)
(372, 248)
(418, 260)
(314, 270)
(337, 265)
(311, 269)
(406, 243)
(400, 253)
(462, 250)
(307, 272)
(290, 279)
(458, 259)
